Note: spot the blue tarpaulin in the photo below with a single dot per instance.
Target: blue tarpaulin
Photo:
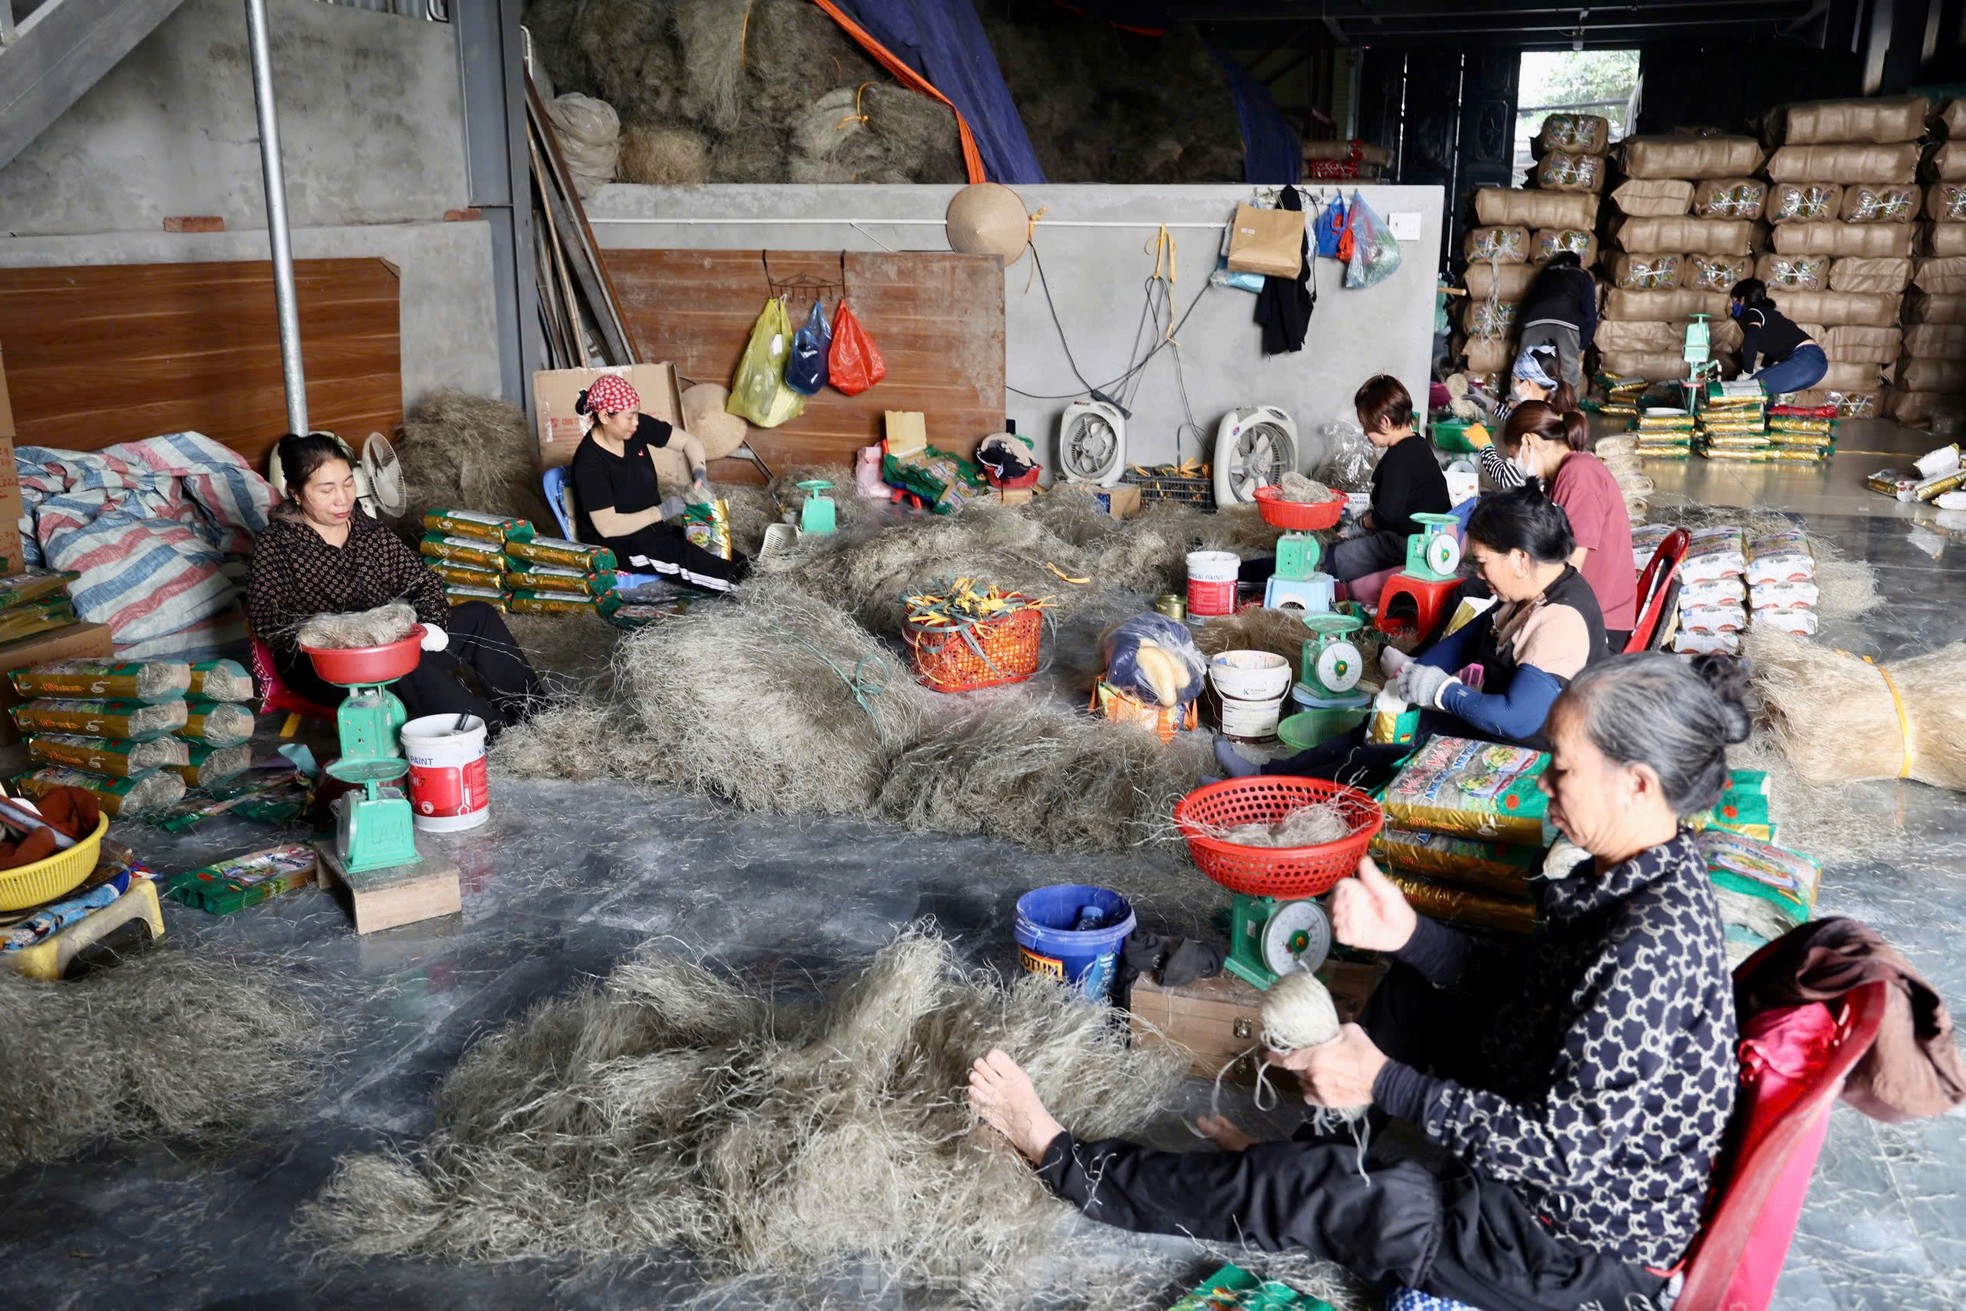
(1271, 151)
(944, 41)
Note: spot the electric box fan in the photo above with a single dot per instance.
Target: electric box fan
(378, 475)
(1092, 443)
(1254, 447)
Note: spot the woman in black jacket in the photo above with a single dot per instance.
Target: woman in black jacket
(1580, 1082)
(1560, 310)
(1794, 361)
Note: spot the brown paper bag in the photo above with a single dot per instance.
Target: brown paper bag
(1267, 241)
(1855, 273)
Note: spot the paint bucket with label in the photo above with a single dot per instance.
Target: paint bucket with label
(1051, 943)
(449, 790)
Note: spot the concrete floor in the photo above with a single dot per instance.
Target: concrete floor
(567, 878)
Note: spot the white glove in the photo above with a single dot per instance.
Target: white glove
(1422, 685)
(671, 507)
(1392, 660)
(434, 638)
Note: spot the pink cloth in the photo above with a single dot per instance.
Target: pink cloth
(1588, 493)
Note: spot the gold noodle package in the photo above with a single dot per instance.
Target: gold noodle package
(1464, 906)
(560, 551)
(1471, 789)
(130, 720)
(462, 550)
(1467, 862)
(146, 681)
(139, 795)
(101, 755)
(494, 528)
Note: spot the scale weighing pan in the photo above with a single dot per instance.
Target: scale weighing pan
(368, 771)
(358, 666)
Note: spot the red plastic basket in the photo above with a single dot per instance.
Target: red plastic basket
(1295, 515)
(348, 666)
(1027, 479)
(1264, 799)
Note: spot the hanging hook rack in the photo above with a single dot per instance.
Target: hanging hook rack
(804, 285)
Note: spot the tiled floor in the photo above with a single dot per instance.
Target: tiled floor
(567, 878)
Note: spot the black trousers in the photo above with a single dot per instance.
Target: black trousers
(1446, 1230)
(1349, 758)
(663, 549)
(482, 672)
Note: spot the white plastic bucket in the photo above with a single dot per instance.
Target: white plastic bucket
(1250, 675)
(1212, 579)
(449, 790)
(1251, 721)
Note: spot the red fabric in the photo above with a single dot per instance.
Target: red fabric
(853, 363)
(1589, 494)
(67, 810)
(610, 394)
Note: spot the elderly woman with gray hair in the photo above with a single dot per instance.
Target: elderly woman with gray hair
(1579, 1083)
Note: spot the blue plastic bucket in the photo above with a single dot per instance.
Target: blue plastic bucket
(1086, 959)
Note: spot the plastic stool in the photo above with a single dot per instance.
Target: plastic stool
(1313, 594)
(276, 695)
(1430, 601)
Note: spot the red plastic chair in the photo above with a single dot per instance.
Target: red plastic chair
(276, 695)
(1655, 588)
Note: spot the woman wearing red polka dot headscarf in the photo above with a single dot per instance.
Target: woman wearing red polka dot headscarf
(617, 502)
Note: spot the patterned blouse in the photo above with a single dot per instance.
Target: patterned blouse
(1608, 1054)
(297, 575)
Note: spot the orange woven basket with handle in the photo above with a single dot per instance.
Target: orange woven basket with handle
(990, 653)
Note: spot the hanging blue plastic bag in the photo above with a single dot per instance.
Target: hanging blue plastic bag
(805, 371)
(1328, 228)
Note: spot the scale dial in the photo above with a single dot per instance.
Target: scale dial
(1297, 937)
(1339, 666)
(1443, 554)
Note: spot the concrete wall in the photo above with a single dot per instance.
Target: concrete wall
(373, 143)
(1096, 276)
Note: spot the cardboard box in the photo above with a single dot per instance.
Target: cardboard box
(554, 392)
(1120, 502)
(76, 642)
(906, 433)
(1016, 495)
(11, 508)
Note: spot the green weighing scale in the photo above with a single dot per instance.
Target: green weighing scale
(1434, 553)
(1297, 556)
(819, 514)
(1698, 354)
(1270, 937)
(375, 827)
(1332, 664)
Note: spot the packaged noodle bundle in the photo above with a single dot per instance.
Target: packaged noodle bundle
(1489, 318)
(494, 528)
(1881, 202)
(560, 551)
(1499, 245)
(556, 578)
(1794, 272)
(1576, 134)
(217, 723)
(1710, 593)
(1714, 553)
(1646, 272)
(1800, 595)
(525, 601)
(132, 721)
(19, 589)
(1467, 862)
(1764, 888)
(462, 550)
(32, 617)
(121, 797)
(221, 680)
(496, 598)
(1566, 172)
(1729, 198)
(453, 574)
(1780, 558)
(1687, 642)
(212, 764)
(1712, 620)
(707, 527)
(1945, 202)
(1546, 243)
(1471, 789)
(1799, 623)
(1742, 808)
(1647, 538)
(1803, 202)
(101, 755)
(147, 681)
(1466, 907)
(1714, 272)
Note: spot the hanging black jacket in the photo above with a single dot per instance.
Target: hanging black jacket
(1284, 305)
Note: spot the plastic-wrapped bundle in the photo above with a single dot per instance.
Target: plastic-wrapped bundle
(1931, 375)
(1844, 164)
(1945, 202)
(1665, 306)
(1793, 272)
(1851, 343)
(1489, 318)
(1562, 172)
(1942, 276)
(1944, 341)
(1934, 307)
(1546, 243)
(1471, 789)
(1803, 202)
(1500, 245)
(1729, 198)
(1881, 203)
(1624, 337)
(1834, 307)
(1944, 239)
(1575, 134)
(1646, 272)
(146, 681)
(1717, 272)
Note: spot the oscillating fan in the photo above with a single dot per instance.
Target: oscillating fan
(378, 475)
(1092, 443)
(1254, 447)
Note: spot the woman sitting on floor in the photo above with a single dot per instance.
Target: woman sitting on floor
(617, 502)
(1579, 1082)
(1541, 633)
(323, 554)
(1546, 443)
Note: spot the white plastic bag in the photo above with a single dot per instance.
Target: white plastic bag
(1375, 253)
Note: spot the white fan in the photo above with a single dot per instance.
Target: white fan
(1092, 443)
(1254, 447)
(378, 475)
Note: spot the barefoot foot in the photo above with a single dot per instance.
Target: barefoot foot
(1223, 1133)
(1005, 1100)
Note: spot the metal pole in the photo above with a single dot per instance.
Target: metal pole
(276, 218)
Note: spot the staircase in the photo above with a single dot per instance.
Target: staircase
(51, 51)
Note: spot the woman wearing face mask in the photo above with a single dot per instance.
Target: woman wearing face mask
(1534, 379)
(1579, 1083)
(1543, 443)
(1794, 361)
(1543, 631)
(617, 503)
(323, 554)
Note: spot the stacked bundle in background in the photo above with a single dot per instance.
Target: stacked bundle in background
(134, 733)
(1521, 230)
(1465, 832)
(1802, 434)
(1713, 590)
(1733, 423)
(554, 576)
(1664, 432)
(35, 602)
(1679, 229)
(1781, 578)
(466, 550)
(1929, 378)
(1842, 194)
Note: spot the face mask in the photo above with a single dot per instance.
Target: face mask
(1734, 310)
(1524, 464)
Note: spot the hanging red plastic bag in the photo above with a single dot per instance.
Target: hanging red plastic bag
(757, 390)
(853, 365)
(1375, 252)
(805, 372)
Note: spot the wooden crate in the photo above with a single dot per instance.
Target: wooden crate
(1216, 1021)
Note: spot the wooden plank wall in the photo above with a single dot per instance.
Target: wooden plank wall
(937, 320)
(104, 354)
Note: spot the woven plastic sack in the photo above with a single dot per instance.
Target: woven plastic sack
(1561, 172)
(1645, 272)
(1844, 163)
(1489, 318)
(1793, 272)
(1507, 207)
(1574, 134)
(1375, 252)
(1508, 245)
(1882, 203)
(758, 393)
(1869, 240)
(1945, 202)
(1803, 202)
(1716, 272)
(1656, 198)
(1547, 243)
(1664, 306)
(1691, 157)
(1851, 343)
(805, 371)
(1944, 239)
(854, 363)
(1946, 163)
(1511, 281)
(1855, 273)
(1945, 276)
(1705, 236)
(1900, 118)
(1729, 198)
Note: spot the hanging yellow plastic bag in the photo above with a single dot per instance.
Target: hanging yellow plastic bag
(757, 391)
